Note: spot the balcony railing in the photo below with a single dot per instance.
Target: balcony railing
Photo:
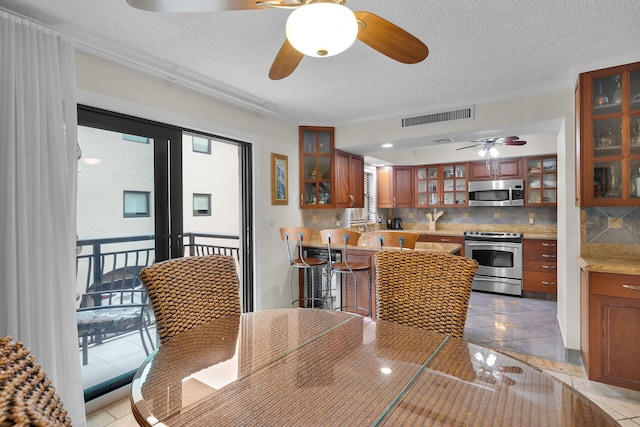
(105, 267)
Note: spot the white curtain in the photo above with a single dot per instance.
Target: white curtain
(38, 165)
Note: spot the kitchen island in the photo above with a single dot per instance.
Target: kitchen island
(363, 252)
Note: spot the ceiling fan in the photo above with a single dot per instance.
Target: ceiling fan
(489, 145)
(326, 17)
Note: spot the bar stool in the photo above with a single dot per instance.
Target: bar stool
(345, 267)
(301, 235)
(396, 239)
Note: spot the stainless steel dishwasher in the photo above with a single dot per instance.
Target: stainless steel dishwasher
(325, 293)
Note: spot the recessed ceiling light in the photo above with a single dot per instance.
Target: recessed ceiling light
(387, 145)
(92, 160)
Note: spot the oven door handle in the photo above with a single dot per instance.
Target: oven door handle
(492, 245)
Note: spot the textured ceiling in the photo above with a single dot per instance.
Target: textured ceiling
(480, 50)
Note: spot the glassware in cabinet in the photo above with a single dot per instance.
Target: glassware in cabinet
(541, 180)
(608, 126)
(316, 166)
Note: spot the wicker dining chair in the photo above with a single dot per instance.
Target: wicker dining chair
(424, 289)
(186, 292)
(395, 239)
(27, 397)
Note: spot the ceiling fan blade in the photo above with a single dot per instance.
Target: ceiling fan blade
(193, 5)
(286, 61)
(514, 142)
(389, 39)
(470, 146)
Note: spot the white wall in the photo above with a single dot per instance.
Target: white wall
(111, 86)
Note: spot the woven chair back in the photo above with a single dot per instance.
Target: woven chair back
(186, 292)
(424, 289)
(27, 397)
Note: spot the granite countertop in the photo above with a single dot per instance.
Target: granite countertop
(528, 231)
(369, 243)
(610, 265)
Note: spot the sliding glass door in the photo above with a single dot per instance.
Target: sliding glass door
(148, 192)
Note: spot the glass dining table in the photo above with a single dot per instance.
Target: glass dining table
(303, 367)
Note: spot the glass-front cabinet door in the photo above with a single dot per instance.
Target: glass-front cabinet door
(609, 130)
(454, 187)
(441, 185)
(541, 181)
(316, 167)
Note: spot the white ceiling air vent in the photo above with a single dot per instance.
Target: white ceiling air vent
(464, 113)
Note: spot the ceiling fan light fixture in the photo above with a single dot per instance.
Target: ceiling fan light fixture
(493, 152)
(482, 152)
(321, 29)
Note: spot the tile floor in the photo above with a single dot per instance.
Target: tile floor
(524, 328)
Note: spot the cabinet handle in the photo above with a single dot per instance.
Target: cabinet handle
(548, 256)
(352, 199)
(445, 240)
(552, 245)
(632, 287)
(394, 201)
(548, 283)
(549, 266)
(301, 200)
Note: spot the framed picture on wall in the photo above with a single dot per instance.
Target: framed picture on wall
(279, 179)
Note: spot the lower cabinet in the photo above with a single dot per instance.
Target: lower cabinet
(540, 266)
(443, 239)
(610, 328)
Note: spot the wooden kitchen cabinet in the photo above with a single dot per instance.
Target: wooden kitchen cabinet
(608, 137)
(438, 238)
(541, 182)
(349, 180)
(316, 167)
(499, 168)
(394, 185)
(540, 266)
(610, 327)
(443, 185)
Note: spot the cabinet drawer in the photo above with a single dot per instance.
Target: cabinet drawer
(548, 256)
(616, 285)
(546, 266)
(540, 245)
(540, 282)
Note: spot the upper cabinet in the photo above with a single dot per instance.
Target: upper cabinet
(349, 182)
(316, 167)
(499, 168)
(394, 185)
(608, 137)
(541, 181)
(441, 185)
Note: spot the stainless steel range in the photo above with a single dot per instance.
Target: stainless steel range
(499, 256)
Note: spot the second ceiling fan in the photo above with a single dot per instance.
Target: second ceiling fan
(315, 28)
(489, 145)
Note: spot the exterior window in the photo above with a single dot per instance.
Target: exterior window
(202, 205)
(136, 204)
(135, 138)
(201, 145)
(370, 196)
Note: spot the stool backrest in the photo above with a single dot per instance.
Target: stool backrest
(342, 236)
(396, 239)
(295, 234)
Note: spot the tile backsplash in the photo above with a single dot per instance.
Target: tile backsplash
(545, 216)
(615, 225)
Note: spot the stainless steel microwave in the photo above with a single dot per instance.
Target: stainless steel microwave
(506, 192)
